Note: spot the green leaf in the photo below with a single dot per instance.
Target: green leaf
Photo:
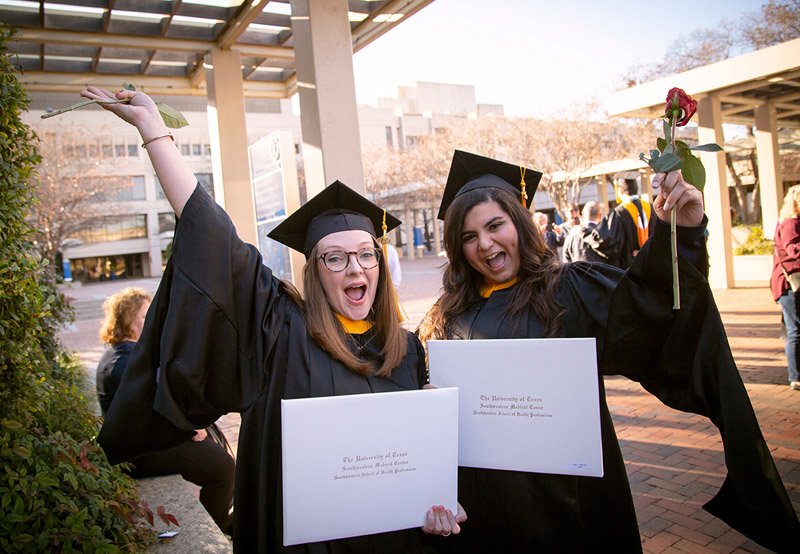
(711, 147)
(172, 117)
(128, 86)
(665, 163)
(661, 143)
(694, 172)
(654, 154)
(667, 131)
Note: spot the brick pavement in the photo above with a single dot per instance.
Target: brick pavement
(674, 460)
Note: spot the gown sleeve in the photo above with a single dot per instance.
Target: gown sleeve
(683, 358)
(213, 322)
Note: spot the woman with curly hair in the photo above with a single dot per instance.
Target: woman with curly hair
(201, 459)
(785, 262)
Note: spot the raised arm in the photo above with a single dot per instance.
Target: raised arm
(173, 173)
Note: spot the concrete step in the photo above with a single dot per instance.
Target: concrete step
(91, 308)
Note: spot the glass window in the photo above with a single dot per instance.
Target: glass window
(107, 151)
(185, 149)
(195, 150)
(67, 150)
(159, 191)
(119, 150)
(94, 150)
(80, 151)
(133, 150)
(206, 149)
(206, 180)
(389, 141)
(166, 222)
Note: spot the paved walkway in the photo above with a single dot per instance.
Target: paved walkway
(674, 460)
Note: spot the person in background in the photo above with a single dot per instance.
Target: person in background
(625, 230)
(572, 220)
(225, 335)
(503, 282)
(576, 246)
(200, 460)
(542, 222)
(785, 263)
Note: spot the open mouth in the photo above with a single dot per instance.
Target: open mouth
(356, 293)
(496, 261)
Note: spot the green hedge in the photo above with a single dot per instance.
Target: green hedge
(756, 243)
(57, 491)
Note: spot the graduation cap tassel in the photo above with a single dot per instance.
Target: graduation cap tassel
(523, 195)
(384, 240)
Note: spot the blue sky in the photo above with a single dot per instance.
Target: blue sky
(532, 56)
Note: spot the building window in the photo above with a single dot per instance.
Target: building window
(107, 151)
(389, 140)
(119, 150)
(133, 150)
(195, 150)
(206, 180)
(159, 191)
(113, 228)
(185, 149)
(206, 149)
(166, 222)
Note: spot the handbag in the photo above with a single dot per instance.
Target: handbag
(793, 279)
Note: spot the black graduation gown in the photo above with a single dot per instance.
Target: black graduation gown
(681, 357)
(222, 336)
(617, 236)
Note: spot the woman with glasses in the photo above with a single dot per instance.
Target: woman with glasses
(225, 335)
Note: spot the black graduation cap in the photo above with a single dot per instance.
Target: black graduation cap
(337, 208)
(470, 171)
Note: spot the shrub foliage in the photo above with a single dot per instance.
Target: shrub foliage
(57, 491)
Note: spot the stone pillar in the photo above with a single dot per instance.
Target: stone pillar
(602, 193)
(408, 223)
(326, 85)
(227, 131)
(437, 235)
(717, 201)
(769, 167)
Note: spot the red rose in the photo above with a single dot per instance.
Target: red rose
(678, 99)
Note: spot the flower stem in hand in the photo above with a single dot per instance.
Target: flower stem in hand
(86, 103)
(673, 236)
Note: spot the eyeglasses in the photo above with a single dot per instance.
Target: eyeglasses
(337, 260)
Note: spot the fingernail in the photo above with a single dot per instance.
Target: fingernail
(666, 206)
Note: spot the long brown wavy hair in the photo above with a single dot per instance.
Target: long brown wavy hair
(121, 309)
(537, 276)
(326, 329)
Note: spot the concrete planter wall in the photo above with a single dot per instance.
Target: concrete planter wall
(752, 269)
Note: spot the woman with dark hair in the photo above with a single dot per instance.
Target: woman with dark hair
(200, 460)
(502, 282)
(224, 334)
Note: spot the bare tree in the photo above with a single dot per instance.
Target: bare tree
(73, 182)
(566, 146)
(776, 22)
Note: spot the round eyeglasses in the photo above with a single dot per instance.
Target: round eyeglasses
(337, 260)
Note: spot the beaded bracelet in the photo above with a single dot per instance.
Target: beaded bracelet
(145, 143)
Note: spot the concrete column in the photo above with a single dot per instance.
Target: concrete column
(227, 131)
(437, 235)
(769, 167)
(602, 193)
(326, 84)
(647, 185)
(716, 195)
(153, 245)
(408, 223)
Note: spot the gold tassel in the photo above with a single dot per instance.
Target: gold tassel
(384, 240)
(523, 195)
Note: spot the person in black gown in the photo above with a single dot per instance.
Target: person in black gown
(502, 282)
(224, 334)
(201, 459)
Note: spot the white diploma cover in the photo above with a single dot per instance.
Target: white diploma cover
(367, 463)
(524, 404)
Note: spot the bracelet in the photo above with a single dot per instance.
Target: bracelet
(145, 143)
